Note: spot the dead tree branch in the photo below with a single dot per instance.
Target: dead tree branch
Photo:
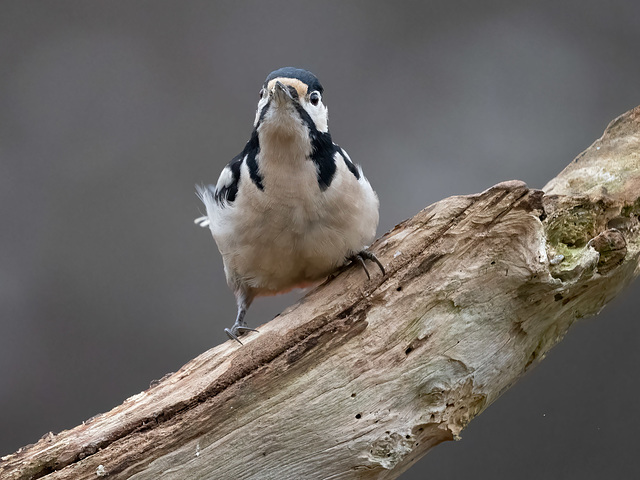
(360, 379)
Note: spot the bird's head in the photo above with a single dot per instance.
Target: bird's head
(291, 98)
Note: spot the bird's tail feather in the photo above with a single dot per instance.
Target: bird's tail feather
(206, 193)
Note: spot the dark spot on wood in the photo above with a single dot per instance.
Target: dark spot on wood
(532, 202)
(408, 436)
(358, 416)
(301, 349)
(517, 328)
(612, 247)
(416, 343)
(353, 395)
(45, 470)
(428, 263)
(345, 313)
(619, 223)
(399, 289)
(558, 297)
(493, 262)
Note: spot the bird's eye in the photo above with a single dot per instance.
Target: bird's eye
(314, 98)
(261, 92)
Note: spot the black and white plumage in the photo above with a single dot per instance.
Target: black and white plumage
(292, 207)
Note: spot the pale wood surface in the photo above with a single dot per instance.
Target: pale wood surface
(361, 378)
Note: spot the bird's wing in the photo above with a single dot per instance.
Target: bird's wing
(353, 168)
(223, 193)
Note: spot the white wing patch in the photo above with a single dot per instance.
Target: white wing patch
(225, 179)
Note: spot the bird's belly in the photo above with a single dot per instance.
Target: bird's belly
(291, 251)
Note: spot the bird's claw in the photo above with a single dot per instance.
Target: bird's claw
(360, 257)
(237, 330)
(360, 260)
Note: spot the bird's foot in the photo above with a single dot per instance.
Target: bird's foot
(238, 330)
(360, 257)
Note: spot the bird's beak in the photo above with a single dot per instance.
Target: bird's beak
(281, 93)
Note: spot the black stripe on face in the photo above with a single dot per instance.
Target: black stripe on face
(252, 148)
(322, 150)
(251, 151)
(263, 112)
(293, 92)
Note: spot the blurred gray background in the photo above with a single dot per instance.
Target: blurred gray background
(110, 112)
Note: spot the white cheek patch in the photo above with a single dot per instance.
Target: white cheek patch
(261, 104)
(319, 114)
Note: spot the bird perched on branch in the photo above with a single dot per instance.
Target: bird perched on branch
(292, 207)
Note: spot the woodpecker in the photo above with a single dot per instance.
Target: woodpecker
(292, 207)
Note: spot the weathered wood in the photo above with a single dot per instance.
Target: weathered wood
(361, 378)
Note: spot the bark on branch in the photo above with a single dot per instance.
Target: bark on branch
(360, 379)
